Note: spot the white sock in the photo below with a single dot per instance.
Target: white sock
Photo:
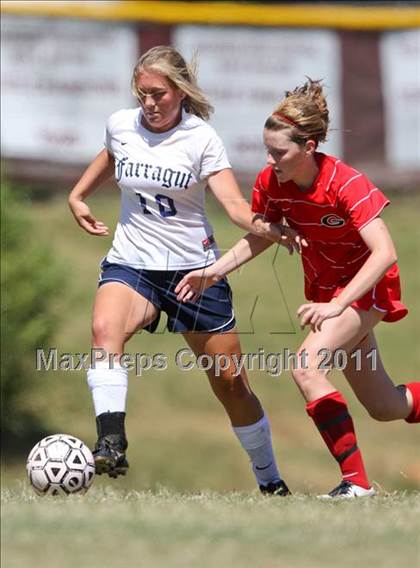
(256, 441)
(108, 387)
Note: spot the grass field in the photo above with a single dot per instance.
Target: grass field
(167, 529)
(208, 512)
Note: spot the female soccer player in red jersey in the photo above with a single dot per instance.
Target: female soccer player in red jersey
(351, 276)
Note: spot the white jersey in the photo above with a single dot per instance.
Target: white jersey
(163, 224)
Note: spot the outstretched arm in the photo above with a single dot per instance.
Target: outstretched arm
(96, 173)
(195, 282)
(382, 257)
(226, 190)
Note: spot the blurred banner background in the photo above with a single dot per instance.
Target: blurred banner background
(67, 65)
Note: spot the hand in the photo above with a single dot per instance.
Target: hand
(315, 313)
(193, 285)
(285, 236)
(82, 214)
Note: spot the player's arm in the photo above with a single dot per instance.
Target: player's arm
(382, 257)
(195, 282)
(226, 190)
(98, 171)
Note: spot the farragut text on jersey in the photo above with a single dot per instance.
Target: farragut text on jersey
(168, 177)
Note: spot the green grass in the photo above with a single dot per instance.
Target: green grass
(208, 512)
(167, 529)
(179, 436)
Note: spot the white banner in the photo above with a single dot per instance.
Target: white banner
(245, 72)
(60, 82)
(400, 58)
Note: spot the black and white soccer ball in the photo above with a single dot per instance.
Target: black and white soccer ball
(60, 465)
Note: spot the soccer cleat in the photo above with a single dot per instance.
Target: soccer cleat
(348, 490)
(109, 455)
(275, 488)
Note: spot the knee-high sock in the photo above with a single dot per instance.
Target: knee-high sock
(332, 418)
(108, 387)
(256, 441)
(414, 416)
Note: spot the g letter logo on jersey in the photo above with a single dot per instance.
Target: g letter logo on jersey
(332, 221)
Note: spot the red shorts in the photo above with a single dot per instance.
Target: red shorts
(385, 296)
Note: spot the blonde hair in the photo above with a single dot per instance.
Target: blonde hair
(169, 63)
(303, 110)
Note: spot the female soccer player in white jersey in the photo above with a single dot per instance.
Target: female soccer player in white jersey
(351, 276)
(159, 153)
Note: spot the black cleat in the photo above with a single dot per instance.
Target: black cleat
(109, 455)
(275, 488)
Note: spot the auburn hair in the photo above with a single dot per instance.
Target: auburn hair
(303, 110)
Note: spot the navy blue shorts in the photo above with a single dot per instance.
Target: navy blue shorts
(211, 313)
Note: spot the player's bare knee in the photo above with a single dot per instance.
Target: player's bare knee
(303, 376)
(232, 388)
(102, 331)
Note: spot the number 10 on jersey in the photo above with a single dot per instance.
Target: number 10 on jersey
(165, 204)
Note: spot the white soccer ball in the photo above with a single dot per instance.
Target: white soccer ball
(59, 465)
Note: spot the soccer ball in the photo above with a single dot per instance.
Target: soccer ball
(59, 465)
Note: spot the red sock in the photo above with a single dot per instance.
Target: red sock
(332, 418)
(414, 415)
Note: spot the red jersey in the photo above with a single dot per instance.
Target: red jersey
(330, 214)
